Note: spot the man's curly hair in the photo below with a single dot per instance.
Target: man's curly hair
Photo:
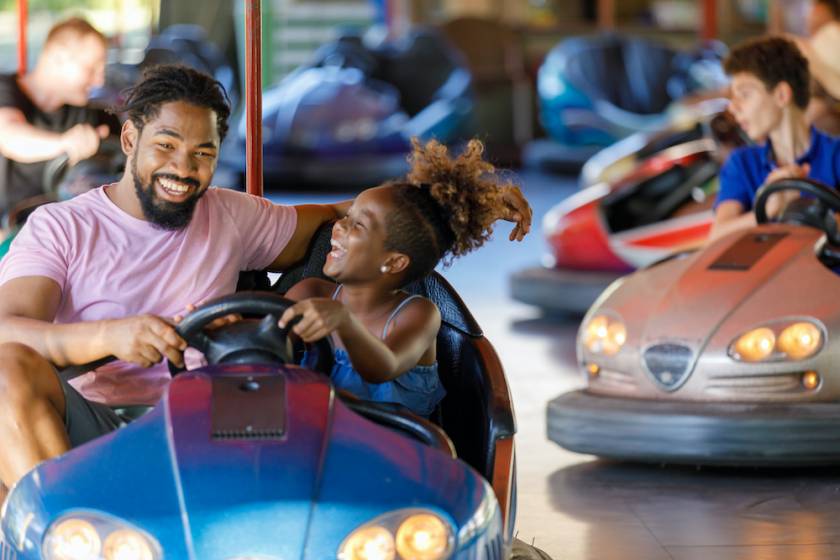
(445, 207)
(167, 83)
(772, 60)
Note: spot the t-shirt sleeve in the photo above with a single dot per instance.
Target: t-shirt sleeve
(265, 228)
(733, 182)
(835, 162)
(40, 249)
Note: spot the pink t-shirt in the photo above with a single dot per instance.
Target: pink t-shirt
(111, 265)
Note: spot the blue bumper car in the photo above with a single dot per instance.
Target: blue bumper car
(253, 457)
(347, 118)
(594, 91)
(185, 44)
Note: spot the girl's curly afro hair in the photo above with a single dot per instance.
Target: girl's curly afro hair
(445, 207)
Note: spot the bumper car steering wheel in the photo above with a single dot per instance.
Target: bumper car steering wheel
(251, 340)
(817, 211)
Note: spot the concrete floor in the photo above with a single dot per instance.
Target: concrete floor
(578, 508)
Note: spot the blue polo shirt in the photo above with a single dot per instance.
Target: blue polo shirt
(747, 168)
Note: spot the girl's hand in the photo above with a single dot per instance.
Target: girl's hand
(319, 318)
(516, 210)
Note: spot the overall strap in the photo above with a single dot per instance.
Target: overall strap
(393, 314)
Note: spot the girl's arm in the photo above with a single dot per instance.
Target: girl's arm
(412, 333)
(309, 288)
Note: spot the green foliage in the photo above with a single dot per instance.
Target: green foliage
(59, 5)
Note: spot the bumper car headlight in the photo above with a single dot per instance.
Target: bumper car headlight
(800, 340)
(72, 539)
(604, 335)
(423, 536)
(127, 544)
(410, 534)
(369, 543)
(755, 345)
(87, 536)
(781, 340)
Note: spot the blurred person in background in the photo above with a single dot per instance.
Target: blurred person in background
(44, 113)
(821, 48)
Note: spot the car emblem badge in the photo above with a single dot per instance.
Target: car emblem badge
(669, 365)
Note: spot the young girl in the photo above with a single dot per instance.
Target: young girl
(394, 234)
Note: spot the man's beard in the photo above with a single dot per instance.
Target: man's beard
(162, 213)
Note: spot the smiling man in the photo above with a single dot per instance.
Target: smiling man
(769, 94)
(101, 274)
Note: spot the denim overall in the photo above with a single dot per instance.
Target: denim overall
(419, 389)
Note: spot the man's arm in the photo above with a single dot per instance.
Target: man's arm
(28, 306)
(22, 142)
(309, 218)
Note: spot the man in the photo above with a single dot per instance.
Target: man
(820, 48)
(43, 113)
(770, 91)
(99, 275)
(822, 13)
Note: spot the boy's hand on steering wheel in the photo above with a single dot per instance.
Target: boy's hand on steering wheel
(144, 340)
(516, 209)
(778, 201)
(319, 318)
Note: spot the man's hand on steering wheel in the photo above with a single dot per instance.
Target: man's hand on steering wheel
(218, 323)
(82, 141)
(144, 340)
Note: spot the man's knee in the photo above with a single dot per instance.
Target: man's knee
(22, 372)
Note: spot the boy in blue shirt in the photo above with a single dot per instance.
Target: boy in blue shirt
(769, 94)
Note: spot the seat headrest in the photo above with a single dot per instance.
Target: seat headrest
(453, 310)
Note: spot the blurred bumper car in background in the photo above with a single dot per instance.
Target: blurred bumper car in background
(663, 205)
(347, 118)
(594, 91)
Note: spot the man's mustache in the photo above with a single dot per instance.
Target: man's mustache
(185, 180)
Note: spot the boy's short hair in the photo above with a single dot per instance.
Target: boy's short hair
(772, 60)
(72, 29)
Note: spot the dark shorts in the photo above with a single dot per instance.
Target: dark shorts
(86, 420)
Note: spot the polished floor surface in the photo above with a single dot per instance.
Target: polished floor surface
(576, 507)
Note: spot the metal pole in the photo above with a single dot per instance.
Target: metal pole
(775, 18)
(253, 98)
(709, 31)
(23, 17)
(606, 15)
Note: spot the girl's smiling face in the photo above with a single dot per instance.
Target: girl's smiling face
(358, 240)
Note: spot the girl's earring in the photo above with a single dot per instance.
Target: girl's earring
(383, 269)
